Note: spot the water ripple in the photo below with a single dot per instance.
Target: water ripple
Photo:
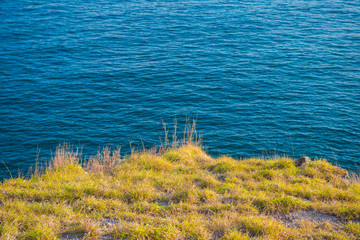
(259, 76)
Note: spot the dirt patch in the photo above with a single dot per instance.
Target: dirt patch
(162, 203)
(105, 224)
(227, 200)
(293, 219)
(106, 238)
(72, 236)
(221, 177)
(82, 236)
(109, 222)
(207, 212)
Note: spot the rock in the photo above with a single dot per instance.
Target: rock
(302, 162)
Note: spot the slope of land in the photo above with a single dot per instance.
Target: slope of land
(180, 193)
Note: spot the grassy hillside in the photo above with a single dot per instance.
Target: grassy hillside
(180, 193)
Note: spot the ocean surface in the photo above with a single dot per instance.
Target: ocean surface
(260, 76)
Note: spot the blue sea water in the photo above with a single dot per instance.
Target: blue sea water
(260, 76)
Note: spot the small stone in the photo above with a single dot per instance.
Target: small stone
(302, 162)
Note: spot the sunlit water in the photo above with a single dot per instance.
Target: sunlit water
(260, 76)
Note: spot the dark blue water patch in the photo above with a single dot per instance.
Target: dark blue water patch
(260, 76)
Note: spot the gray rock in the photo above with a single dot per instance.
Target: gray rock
(302, 162)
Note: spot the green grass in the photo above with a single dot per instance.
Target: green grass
(179, 193)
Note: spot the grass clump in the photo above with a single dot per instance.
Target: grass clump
(180, 192)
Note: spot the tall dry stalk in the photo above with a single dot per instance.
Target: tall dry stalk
(64, 155)
(104, 161)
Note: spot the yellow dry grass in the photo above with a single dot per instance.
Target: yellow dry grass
(180, 192)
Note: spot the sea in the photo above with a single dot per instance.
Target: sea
(260, 77)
